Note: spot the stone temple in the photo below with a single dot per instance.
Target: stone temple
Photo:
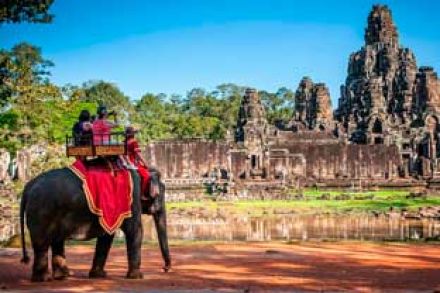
(383, 132)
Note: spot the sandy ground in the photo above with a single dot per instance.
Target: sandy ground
(248, 267)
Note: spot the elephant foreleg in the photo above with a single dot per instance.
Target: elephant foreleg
(133, 235)
(103, 245)
(59, 266)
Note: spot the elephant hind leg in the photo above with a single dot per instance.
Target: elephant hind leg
(60, 270)
(40, 269)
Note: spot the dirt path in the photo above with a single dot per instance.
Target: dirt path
(248, 267)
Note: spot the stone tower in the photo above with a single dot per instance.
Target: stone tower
(380, 82)
(313, 104)
(251, 133)
(251, 123)
(387, 99)
(381, 29)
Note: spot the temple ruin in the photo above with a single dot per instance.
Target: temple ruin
(383, 132)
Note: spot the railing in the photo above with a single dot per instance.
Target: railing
(112, 144)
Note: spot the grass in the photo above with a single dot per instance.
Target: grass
(378, 194)
(382, 200)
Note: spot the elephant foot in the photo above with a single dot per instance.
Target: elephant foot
(60, 273)
(166, 268)
(41, 277)
(59, 268)
(97, 274)
(135, 274)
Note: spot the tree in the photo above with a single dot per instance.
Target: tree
(108, 94)
(24, 93)
(279, 105)
(199, 102)
(22, 66)
(153, 117)
(16, 11)
(64, 114)
(230, 95)
(5, 77)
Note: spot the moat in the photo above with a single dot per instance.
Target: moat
(298, 227)
(285, 227)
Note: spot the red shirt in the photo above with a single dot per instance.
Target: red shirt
(132, 151)
(101, 131)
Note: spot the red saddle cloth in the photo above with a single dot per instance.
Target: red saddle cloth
(108, 191)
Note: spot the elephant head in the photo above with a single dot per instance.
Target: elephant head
(154, 205)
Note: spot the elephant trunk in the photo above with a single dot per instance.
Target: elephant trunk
(160, 221)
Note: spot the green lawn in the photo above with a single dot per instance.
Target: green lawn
(378, 194)
(382, 201)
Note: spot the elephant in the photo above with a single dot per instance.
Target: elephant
(56, 209)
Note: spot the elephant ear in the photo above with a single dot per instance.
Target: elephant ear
(155, 172)
(154, 190)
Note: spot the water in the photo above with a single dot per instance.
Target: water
(296, 227)
(283, 227)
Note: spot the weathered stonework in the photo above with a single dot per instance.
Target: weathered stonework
(263, 157)
(312, 106)
(251, 123)
(5, 161)
(381, 79)
(384, 132)
(387, 99)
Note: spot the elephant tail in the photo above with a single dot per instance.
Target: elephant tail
(25, 258)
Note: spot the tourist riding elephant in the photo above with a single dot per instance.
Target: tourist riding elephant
(56, 209)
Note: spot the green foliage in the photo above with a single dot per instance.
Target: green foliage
(279, 105)
(200, 114)
(153, 117)
(21, 69)
(32, 109)
(8, 129)
(16, 11)
(24, 91)
(312, 193)
(311, 205)
(105, 93)
(5, 77)
(64, 116)
(9, 119)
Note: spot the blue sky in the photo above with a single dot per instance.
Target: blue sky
(172, 46)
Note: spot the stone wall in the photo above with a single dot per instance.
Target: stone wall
(340, 161)
(5, 161)
(315, 162)
(193, 158)
(9, 223)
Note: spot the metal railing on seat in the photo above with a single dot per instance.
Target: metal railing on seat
(112, 144)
